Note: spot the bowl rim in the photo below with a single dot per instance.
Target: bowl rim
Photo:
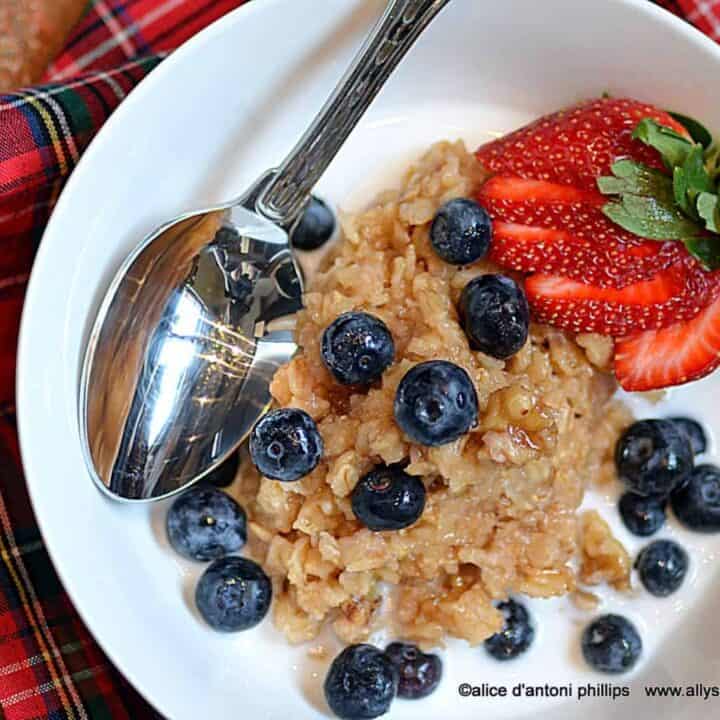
(33, 297)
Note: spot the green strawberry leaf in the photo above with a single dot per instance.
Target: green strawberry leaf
(707, 207)
(681, 206)
(698, 179)
(691, 180)
(706, 249)
(673, 147)
(650, 218)
(698, 132)
(680, 190)
(712, 162)
(634, 178)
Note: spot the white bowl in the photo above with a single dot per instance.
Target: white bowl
(198, 130)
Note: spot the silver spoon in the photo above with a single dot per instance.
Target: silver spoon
(198, 319)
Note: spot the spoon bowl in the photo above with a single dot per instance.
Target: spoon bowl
(178, 366)
(198, 317)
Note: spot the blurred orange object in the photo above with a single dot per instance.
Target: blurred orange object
(31, 34)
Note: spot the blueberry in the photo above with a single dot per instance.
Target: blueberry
(611, 644)
(697, 503)
(357, 348)
(642, 516)
(495, 315)
(387, 498)
(233, 594)
(315, 227)
(419, 672)
(204, 523)
(286, 445)
(361, 683)
(694, 430)
(461, 232)
(224, 474)
(517, 634)
(436, 403)
(653, 457)
(662, 566)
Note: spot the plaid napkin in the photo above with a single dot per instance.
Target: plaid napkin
(50, 666)
(704, 14)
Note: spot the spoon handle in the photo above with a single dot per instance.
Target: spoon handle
(284, 194)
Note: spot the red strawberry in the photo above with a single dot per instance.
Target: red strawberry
(608, 263)
(508, 188)
(578, 145)
(547, 180)
(677, 293)
(586, 273)
(674, 355)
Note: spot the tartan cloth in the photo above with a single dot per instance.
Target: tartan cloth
(704, 14)
(50, 667)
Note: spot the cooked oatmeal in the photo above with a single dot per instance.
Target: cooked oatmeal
(604, 560)
(500, 515)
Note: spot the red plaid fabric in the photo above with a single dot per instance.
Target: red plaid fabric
(50, 666)
(704, 14)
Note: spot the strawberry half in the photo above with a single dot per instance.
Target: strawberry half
(586, 273)
(675, 355)
(677, 293)
(546, 180)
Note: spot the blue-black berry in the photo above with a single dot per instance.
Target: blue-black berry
(233, 594)
(695, 433)
(387, 498)
(662, 566)
(315, 227)
(517, 634)
(361, 683)
(205, 523)
(653, 457)
(357, 348)
(461, 232)
(611, 644)
(436, 403)
(419, 673)
(286, 445)
(642, 515)
(697, 503)
(495, 315)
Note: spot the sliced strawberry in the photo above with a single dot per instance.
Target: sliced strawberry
(515, 189)
(541, 226)
(606, 264)
(552, 205)
(675, 355)
(547, 180)
(678, 293)
(587, 274)
(578, 145)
